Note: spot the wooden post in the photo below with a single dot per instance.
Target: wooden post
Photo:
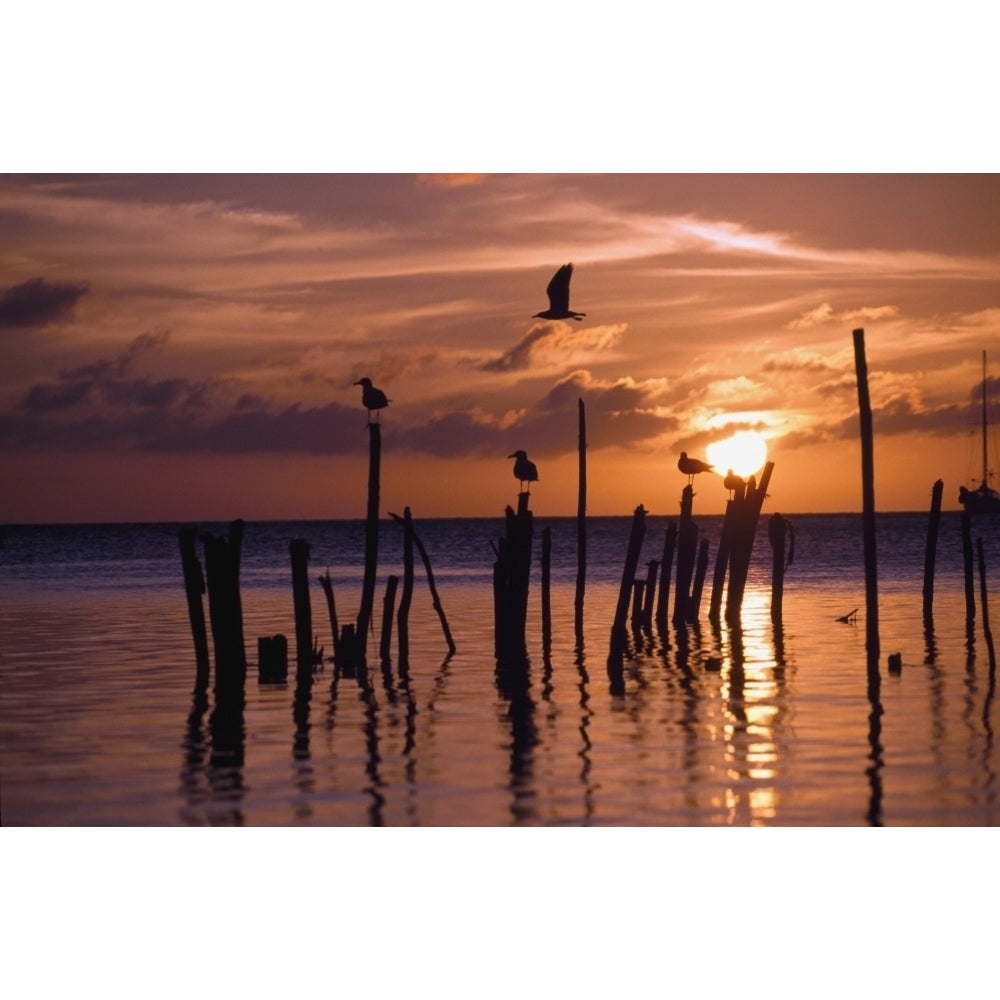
(930, 555)
(194, 587)
(699, 581)
(371, 535)
(511, 576)
(388, 605)
(581, 523)
(435, 599)
(299, 551)
(776, 529)
(403, 616)
(331, 606)
(987, 634)
(546, 599)
(722, 559)
(868, 503)
(666, 564)
(222, 568)
(741, 540)
(687, 544)
(636, 537)
(272, 658)
(650, 592)
(970, 589)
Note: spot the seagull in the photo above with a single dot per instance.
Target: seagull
(524, 470)
(692, 466)
(732, 482)
(373, 399)
(558, 293)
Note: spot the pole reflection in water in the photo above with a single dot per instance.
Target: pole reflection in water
(586, 716)
(513, 684)
(372, 759)
(305, 781)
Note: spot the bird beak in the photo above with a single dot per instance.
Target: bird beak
(510, 456)
(357, 383)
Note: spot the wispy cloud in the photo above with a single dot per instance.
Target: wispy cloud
(36, 301)
(557, 341)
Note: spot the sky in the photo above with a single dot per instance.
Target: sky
(184, 346)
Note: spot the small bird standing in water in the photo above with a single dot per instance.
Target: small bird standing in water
(558, 293)
(524, 470)
(692, 466)
(372, 398)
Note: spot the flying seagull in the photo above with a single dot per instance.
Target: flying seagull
(558, 293)
(372, 398)
(692, 466)
(524, 470)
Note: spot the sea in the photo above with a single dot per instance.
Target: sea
(754, 722)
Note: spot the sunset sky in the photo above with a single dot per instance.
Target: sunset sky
(185, 346)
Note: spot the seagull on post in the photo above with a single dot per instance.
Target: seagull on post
(525, 471)
(372, 398)
(733, 483)
(692, 466)
(558, 293)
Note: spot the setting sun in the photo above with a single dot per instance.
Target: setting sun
(744, 452)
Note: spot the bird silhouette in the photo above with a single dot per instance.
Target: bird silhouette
(692, 466)
(558, 293)
(525, 471)
(732, 482)
(372, 398)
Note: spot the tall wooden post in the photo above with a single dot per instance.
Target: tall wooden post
(868, 503)
(403, 616)
(930, 555)
(581, 523)
(687, 543)
(666, 565)
(371, 536)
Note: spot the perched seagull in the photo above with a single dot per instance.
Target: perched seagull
(558, 293)
(524, 470)
(732, 482)
(692, 466)
(373, 399)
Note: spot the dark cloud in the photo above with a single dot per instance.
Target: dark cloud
(37, 301)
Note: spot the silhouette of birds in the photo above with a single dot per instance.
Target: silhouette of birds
(558, 293)
(732, 482)
(525, 471)
(373, 399)
(692, 466)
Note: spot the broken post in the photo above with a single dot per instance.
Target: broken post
(222, 568)
(687, 544)
(403, 615)
(666, 564)
(777, 529)
(699, 581)
(546, 599)
(299, 551)
(747, 514)
(511, 575)
(194, 587)
(327, 584)
(581, 523)
(388, 606)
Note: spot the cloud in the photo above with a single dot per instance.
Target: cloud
(451, 180)
(556, 340)
(36, 301)
(825, 313)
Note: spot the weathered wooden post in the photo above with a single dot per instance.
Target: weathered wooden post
(930, 555)
(970, 589)
(435, 599)
(327, 584)
(546, 598)
(222, 567)
(388, 606)
(403, 616)
(371, 535)
(687, 544)
(666, 565)
(512, 573)
(194, 587)
(868, 503)
(699, 581)
(741, 546)
(272, 658)
(649, 592)
(581, 524)
(987, 633)
(777, 529)
(619, 635)
(299, 552)
(722, 559)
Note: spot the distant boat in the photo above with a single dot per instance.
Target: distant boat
(982, 499)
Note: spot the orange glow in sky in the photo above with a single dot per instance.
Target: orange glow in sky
(186, 346)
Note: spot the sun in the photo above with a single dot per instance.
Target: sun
(744, 452)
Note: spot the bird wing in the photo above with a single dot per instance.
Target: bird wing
(558, 289)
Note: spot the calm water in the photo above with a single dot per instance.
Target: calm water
(757, 725)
